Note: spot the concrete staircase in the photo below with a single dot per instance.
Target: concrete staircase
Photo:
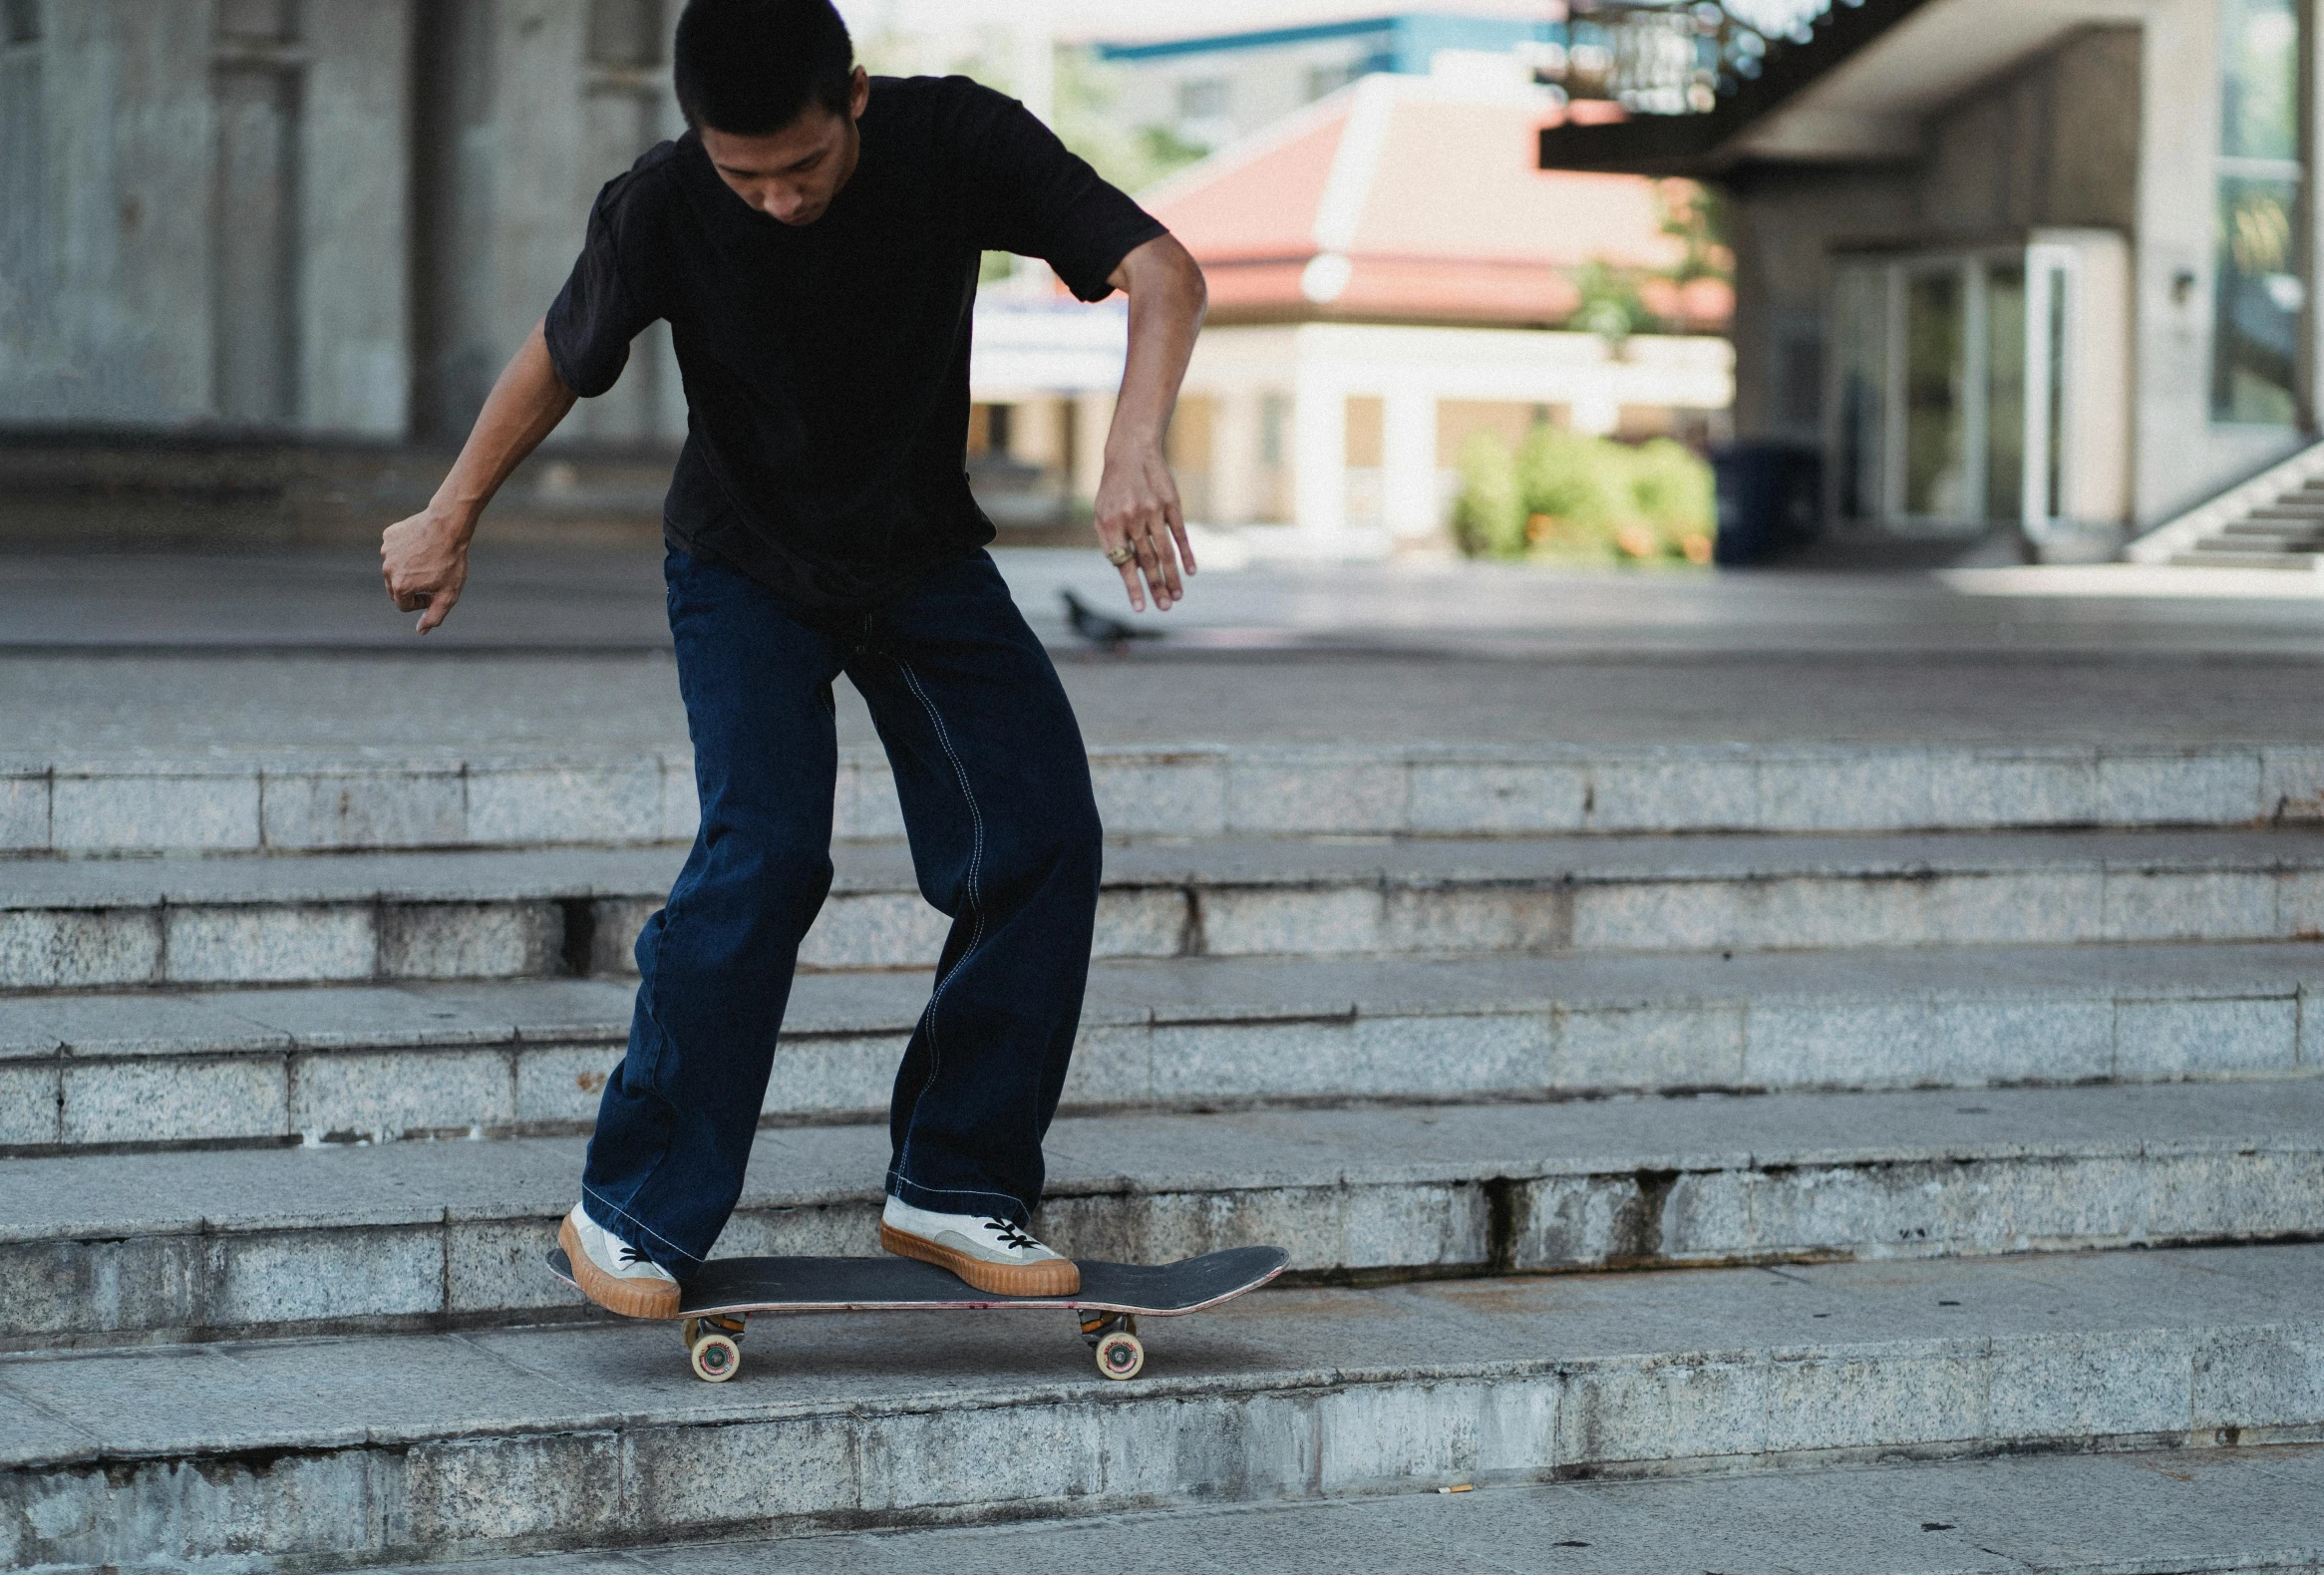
(2276, 521)
(1861, 1068)
(2285, 534)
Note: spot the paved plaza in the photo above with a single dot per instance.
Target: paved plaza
(569, 651)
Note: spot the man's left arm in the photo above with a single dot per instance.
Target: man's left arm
(1138, 501)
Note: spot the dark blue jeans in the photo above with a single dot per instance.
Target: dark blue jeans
(995, 790)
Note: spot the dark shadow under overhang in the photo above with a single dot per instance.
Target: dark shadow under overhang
(1703, 145)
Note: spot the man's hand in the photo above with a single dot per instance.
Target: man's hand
(1141, 525)
(424, 560)
(1137, 509)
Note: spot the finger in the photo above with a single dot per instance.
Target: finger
(439, 607)
(1161, 569)
(1169, 542)
(1177, 520)
(1148, 572)
(1131, 583)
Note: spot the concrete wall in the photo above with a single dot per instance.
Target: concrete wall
(206, 215)
(332, 217)
(526, 107)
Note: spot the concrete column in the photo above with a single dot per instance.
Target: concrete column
(355, 240)
(1597, 411)
(1235, 457)
(1408, 461)
(126, 177)
(1319, 456)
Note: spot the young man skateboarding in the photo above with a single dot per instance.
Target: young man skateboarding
(813, 243)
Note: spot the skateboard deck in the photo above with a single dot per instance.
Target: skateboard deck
(1113, 1296)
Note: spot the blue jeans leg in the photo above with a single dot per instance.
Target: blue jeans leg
(675, 1126)
(994, 784)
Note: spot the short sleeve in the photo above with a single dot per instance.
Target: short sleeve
(604, 304)
(1036, 199)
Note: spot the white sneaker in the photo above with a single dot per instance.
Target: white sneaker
(612, 1272)
(989, 1252)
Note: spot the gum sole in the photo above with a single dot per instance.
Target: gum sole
(626, 1297)
(1055, 1277)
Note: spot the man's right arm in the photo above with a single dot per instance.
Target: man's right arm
(424, 560)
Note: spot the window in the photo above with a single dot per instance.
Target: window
(1274, 417)
(1936, 450)
(1203, 98)
(2260, 263)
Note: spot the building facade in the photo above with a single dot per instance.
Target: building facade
(1386, 279)
(2033, 265)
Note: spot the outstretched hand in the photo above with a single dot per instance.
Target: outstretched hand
(424, 560)
(1142, 529)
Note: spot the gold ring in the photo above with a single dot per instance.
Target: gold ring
(1121, 555)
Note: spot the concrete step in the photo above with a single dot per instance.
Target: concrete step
(389, 916)
(203, 1244)
(2290, 528)
(365, 1448)
(334, 1062)
(2213, 555)
(290, 801)
(2148, 1513)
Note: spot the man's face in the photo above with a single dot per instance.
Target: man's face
(793, 174)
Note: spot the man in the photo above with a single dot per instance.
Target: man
(813, 242)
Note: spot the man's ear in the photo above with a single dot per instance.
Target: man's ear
(859, 92)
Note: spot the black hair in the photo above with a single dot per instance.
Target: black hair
(750, 67)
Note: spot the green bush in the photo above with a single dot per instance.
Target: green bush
(1568, 497)
(1488, 517)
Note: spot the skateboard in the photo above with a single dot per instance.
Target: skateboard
(714, 1306)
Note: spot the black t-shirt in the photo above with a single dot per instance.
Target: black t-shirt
(827, 365)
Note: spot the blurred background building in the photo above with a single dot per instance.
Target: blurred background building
(278, 250)
(2037, 266)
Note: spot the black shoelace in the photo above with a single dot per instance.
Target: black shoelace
(1010, 1235)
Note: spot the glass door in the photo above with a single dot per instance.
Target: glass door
(1952, 401)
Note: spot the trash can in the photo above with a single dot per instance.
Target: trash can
(1770, 498)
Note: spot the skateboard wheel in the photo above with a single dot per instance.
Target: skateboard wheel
(690, 1331)
(715, 1358)
(1120, 1355)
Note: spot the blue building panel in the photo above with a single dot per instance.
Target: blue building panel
(1403, 42)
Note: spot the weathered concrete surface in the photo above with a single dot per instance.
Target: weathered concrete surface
(388, 916)
(382, 1446)
(423, 1234)
(2225, 1512)
(1695, 656)
(530, 1057)
(221, 801)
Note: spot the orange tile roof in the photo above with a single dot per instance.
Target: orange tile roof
(1431, 195)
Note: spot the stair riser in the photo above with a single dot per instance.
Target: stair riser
(257, 943)
(1088, 1450)
(212, 807)
(73, 1102)
(481, 1271)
